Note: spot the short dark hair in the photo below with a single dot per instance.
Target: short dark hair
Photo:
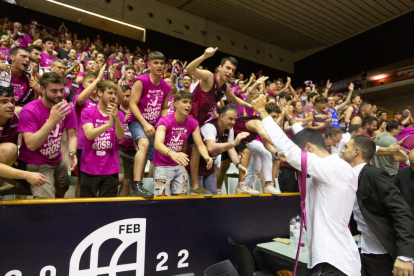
(272, 107)
(14, 50)
(50, 77)
(187, 75)
(394, 124)
(354, 96)
(380, 122)
(368, 120)
(183, 95)
(285, 95)
(34, 47)
(281, 80)
(232, 60)
(125, 88)
(311, 95)
(48, 38)
(396, 112)
(320, 99)
(130, 67)
(366, 145)
(156, 55)
(308, 135)
(101, 53)
(136, 57)
(228, 107)
(382, 111)
(354, 128)
(363, 105)
(334, 131)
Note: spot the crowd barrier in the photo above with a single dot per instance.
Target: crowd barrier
(134, 236)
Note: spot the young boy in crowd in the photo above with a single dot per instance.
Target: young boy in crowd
(172, 132)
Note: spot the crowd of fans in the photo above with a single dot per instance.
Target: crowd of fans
(102, 111)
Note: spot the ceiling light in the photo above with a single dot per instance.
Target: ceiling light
(95, 14)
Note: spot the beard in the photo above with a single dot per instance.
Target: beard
(53, 100)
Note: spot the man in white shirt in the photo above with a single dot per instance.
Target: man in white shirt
(353, 130)
(329, 198)
(383, 217)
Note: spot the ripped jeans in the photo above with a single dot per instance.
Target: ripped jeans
(175, 180)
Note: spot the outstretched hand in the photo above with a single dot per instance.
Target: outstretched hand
(259, 103)
(210, 51)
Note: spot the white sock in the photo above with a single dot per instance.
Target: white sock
(219, 191)
(241, 184)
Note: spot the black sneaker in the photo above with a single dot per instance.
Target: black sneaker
(138, 190)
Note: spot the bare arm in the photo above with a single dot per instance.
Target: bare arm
(203, 75)
(231, 97)
(348, 114)
(200, 145)
(92, 132)
(214, 147)
(328, 86)
(348, 98)
(87, 92)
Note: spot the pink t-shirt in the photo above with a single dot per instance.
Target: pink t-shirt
(175, 137)
(78, 111)
(24, 41)
(32, 118)
(127, 143)
(115, 60)
(21, 88)
(171, 109)
(100, 153)
(151, 100)
(5, 52)
(46, 60)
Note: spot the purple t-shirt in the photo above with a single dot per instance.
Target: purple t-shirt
(5, 52)
(151, 100)
(175, 137)
(78, 111)
(308, 109)
(102, 151)
(115, 60)
(46, 60)
(24, 41)
(32, 118)
(171, 109)
(21, 88)
(126, 144)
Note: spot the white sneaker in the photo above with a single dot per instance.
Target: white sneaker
(270, 189)
(244, 189)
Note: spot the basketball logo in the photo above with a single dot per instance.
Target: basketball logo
(128, 232)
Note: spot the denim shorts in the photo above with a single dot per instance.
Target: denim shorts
(174, 178)
(137, 131)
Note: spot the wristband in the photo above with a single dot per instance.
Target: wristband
(237, 165)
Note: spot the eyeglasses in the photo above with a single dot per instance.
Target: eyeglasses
(7, 91)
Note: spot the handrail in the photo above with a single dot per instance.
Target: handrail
(119, 199)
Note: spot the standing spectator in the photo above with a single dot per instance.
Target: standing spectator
(320, 125)
(138, 63)
(386, 139)
(21, 38)
(15, 73)
(311, 104)
(42, 123)
(102, 127)
(63, 53)
(119, 61)
(72, 70)
(48, 48)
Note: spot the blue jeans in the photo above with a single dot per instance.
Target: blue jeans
(208, 182)
(138, 132)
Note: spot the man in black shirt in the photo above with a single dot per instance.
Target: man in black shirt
(63, 53)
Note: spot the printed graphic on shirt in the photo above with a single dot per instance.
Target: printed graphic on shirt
(153, 109)
(50, 148)
(102, 143)
(177, 139)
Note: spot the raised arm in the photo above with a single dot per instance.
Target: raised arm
(328, 86)
(231, 97)
(348, 98)
(203, 75)
(348, 114)
(283, 89)
(87, 92)
(244, 88)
